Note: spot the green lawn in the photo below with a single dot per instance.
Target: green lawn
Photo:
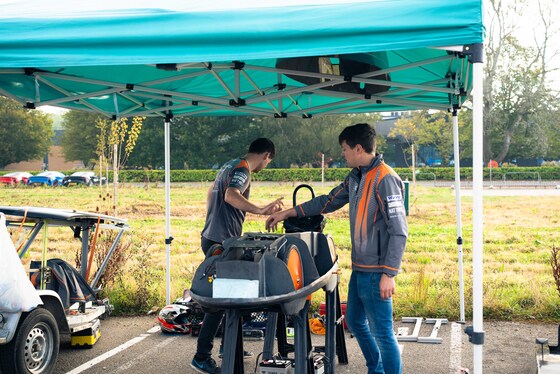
(519, 233)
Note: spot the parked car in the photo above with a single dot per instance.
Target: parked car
(46, 178)
(87, 178)
(16, 178)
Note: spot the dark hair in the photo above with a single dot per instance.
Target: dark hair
(262, 145)
(361, 133)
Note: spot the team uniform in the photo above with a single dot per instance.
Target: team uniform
(222, 221)
(377, 217)
(379, 232)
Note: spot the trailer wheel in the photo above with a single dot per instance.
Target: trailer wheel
(34, 347)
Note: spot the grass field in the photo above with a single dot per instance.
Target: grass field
(519, 233)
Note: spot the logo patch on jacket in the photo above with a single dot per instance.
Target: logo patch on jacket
(394, 198)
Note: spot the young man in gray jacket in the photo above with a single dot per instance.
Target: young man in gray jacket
(379, 231)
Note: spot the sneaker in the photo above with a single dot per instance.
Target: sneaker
(246, 354)
(206, 366)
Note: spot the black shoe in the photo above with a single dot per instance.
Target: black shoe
(206, 366)
(246, 354)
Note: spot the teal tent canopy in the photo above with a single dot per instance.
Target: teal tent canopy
(260, 59)
(277, 58)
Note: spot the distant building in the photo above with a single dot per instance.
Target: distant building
(54, 160)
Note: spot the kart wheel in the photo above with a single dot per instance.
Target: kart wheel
(292, 258)
(55, 184)
(34, 347)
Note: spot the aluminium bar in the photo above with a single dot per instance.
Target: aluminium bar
(293, 91)
(11, 96)
(379, 82)
(296, 103)
(82, 80)
(12, 71)
(176, 78)
(406, 66)
(138, 103)
(37, 90)
(258, 90)
(237, 83)
(116, 104)
(38, 226)
(64, 92)
(280, 84)
(332, 77)
(398, 90)
(331, 105)
(81, 96)
(243, 109)
(101, 269)
(174, 94)
(388, 100)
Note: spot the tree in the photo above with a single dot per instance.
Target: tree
(79, 139)
(517, 89)
(26, 135)
(436, 130)
(205, 142)
(406, 129)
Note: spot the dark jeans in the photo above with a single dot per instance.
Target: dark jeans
(210, 323)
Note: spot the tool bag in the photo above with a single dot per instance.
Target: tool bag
(303, 224)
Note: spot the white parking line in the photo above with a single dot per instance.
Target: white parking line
(111, 353)
(157, 348)
(455, 348)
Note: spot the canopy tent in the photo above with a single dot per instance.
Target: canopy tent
(271, 58)
(138, 61)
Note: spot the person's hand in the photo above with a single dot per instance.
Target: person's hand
(273, 220)
(386, 286)
(273, 207)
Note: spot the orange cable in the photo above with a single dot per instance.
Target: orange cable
(92, 250)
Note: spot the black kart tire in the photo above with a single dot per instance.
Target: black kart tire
(34, 347)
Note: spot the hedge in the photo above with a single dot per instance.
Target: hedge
(338, 174)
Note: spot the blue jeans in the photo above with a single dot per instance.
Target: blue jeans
(370, 319)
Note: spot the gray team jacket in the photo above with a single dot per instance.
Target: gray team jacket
(377, 216)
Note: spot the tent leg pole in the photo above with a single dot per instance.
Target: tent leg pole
(167, 214)
(478, 337)
(458, 214)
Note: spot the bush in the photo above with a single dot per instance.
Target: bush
(338, 174)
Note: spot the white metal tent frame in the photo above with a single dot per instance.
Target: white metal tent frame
(144, 98)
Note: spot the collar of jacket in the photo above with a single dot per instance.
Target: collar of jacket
(358, 172)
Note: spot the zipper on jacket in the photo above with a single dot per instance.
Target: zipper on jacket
(378, 247)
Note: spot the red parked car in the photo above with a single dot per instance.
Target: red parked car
(15, 179)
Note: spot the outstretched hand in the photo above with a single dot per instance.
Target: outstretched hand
(273, 220)
(273, 207)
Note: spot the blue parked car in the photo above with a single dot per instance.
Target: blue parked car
(46, 178)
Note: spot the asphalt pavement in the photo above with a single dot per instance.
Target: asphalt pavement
(136, 345)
